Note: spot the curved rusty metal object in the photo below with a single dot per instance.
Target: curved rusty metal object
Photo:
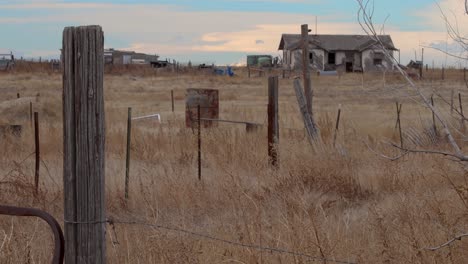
(54, 225)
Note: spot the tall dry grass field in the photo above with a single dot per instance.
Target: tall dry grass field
(345, 202)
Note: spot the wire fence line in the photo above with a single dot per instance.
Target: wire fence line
(112, 222)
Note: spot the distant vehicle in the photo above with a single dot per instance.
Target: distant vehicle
(160, 64)
(7, 61)
(260, 60)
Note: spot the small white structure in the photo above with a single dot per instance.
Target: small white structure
(154, 116)
(338, 52)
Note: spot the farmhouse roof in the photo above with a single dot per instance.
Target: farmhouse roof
(336, 42)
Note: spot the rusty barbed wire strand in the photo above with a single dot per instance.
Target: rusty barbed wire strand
(17, 163)
(234, 243)
(112, 223)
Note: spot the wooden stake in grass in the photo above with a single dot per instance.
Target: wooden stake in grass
(461, 112)
(337, 125)
(199, 142)
(273, 126)
(84, 145)
(452, 94)
(422, 63)
(172, 100)
(129, 145)
(434, 126)
(38, 152)
(18, 95)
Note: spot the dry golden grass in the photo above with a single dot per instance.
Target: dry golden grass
(342, 203)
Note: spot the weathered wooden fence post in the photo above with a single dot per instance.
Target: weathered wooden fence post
(434, 126)
(199, 141)
(37, 152)
(422, 64)
(172, 100)
(443, 73)
(129, 145)
(309, 124)
(273, 126)
(84, 145)
(451, 101)
(305, 66)
(461, 112)
(18, 95)
(337, 125)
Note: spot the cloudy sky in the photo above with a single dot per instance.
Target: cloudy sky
(220, 31)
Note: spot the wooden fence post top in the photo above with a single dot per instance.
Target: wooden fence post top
(84, 145)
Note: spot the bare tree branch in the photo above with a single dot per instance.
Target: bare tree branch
(427, 151)
(367, 24)
(455, 109)
(453, 30)
(385, 156)
(459, 237)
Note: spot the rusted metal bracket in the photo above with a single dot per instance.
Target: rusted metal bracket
(54, 225)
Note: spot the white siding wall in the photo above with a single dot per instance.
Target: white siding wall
(340, 58)
(320, 55)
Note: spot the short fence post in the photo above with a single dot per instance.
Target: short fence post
(422, 63)
(199, 141)
(451, 101)
(433, 116)
(461, 111)
(172, 100)
(273, 126)
(337, 126)
(38, 152)
(18, 95)
(443, 73)
(129, 145)
(84, 145)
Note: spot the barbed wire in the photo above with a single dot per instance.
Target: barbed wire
(112, 222)
(225, 241)
(17, 165)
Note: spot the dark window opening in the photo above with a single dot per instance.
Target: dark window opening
(377, 61)
(331, 58)
(311, 57)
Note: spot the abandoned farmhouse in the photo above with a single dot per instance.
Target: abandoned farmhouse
(350, 53)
